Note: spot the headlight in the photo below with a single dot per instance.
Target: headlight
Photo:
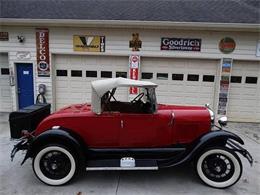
(211, 113)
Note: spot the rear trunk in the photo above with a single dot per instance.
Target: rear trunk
(27, 118)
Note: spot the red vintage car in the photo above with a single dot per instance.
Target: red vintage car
(135, 135)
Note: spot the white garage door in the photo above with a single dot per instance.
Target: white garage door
(73, 75)
(181, 81)
(244, 96)
(5, 89)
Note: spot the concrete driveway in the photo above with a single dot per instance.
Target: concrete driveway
(16, 179)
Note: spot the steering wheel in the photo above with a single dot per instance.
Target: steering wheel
(111, 96)
(137, 98)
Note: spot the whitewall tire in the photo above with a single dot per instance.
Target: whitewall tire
(54, 165)
(219, 167)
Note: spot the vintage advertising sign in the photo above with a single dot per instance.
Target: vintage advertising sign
(227, 45)
(258, 49)
(134, 63)
(135, 43)
(42, 52)
(226, 67)
(4, 36)
(180, 44)
(89, 43)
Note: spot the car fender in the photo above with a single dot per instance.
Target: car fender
(62, 136)
(212, 138)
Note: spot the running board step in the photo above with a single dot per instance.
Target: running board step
(121, 164)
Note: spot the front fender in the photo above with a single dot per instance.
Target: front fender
(212, 138)
(61, 136)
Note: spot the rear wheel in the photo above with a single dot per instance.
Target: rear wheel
(55, 164)
(219, 167)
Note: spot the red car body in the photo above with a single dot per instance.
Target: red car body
(168, 126)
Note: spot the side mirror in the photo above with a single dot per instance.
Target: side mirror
(222, 121)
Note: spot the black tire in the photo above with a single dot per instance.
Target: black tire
(55, 164)
(219, 167)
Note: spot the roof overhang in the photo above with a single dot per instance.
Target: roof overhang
(131, 23)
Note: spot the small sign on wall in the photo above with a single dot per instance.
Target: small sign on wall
(89, 43)
(258, 49)
(134, 64)
(4, 36)
(227, 45)
(42, 52)
(226, 66)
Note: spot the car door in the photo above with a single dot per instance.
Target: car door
(145, 130)
(102, 130)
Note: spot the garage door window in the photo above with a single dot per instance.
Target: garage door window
(208, 78)
(147, 75)
(177, 77)
(251, 80)
(106, 74)
(121, 74)
(76, 73)
(4, 71)
(91, 73)
(162, 76)
(236, 79)
(193, 77)
(61, 73)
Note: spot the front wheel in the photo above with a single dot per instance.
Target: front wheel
(54, 165)
(219, 167)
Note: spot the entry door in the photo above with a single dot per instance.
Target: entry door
(25, 85)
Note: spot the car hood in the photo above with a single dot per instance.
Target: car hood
(74, 108)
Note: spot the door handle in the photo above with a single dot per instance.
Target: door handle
(172, 119)
(122, 124)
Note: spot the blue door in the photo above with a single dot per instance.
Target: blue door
(25, 85)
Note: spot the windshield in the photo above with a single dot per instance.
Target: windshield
(143, 102)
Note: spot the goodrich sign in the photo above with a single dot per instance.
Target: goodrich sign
(180, 44)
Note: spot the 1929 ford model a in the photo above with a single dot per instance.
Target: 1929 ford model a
(135, 135)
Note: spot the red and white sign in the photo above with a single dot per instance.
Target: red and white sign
(42, 51)
(134, 63)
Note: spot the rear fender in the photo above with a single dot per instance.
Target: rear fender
(60, 136)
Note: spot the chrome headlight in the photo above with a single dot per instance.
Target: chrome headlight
(211, 113)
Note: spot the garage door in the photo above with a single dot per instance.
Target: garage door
(190, 82)
(244, 96)
(73, 75)
(5, 89)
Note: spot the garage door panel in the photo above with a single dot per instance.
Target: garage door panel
(182, 91)
(76, 89)
(244, 98)
(5, 89)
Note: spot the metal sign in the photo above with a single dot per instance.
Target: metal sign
(4, 36)
(226, 67)
(42, 52)
(134, 63)
(258, 49)
(89, 43)
(135, 43)
(227, 45)
(180, 44)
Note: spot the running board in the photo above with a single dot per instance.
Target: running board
(126, 163)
